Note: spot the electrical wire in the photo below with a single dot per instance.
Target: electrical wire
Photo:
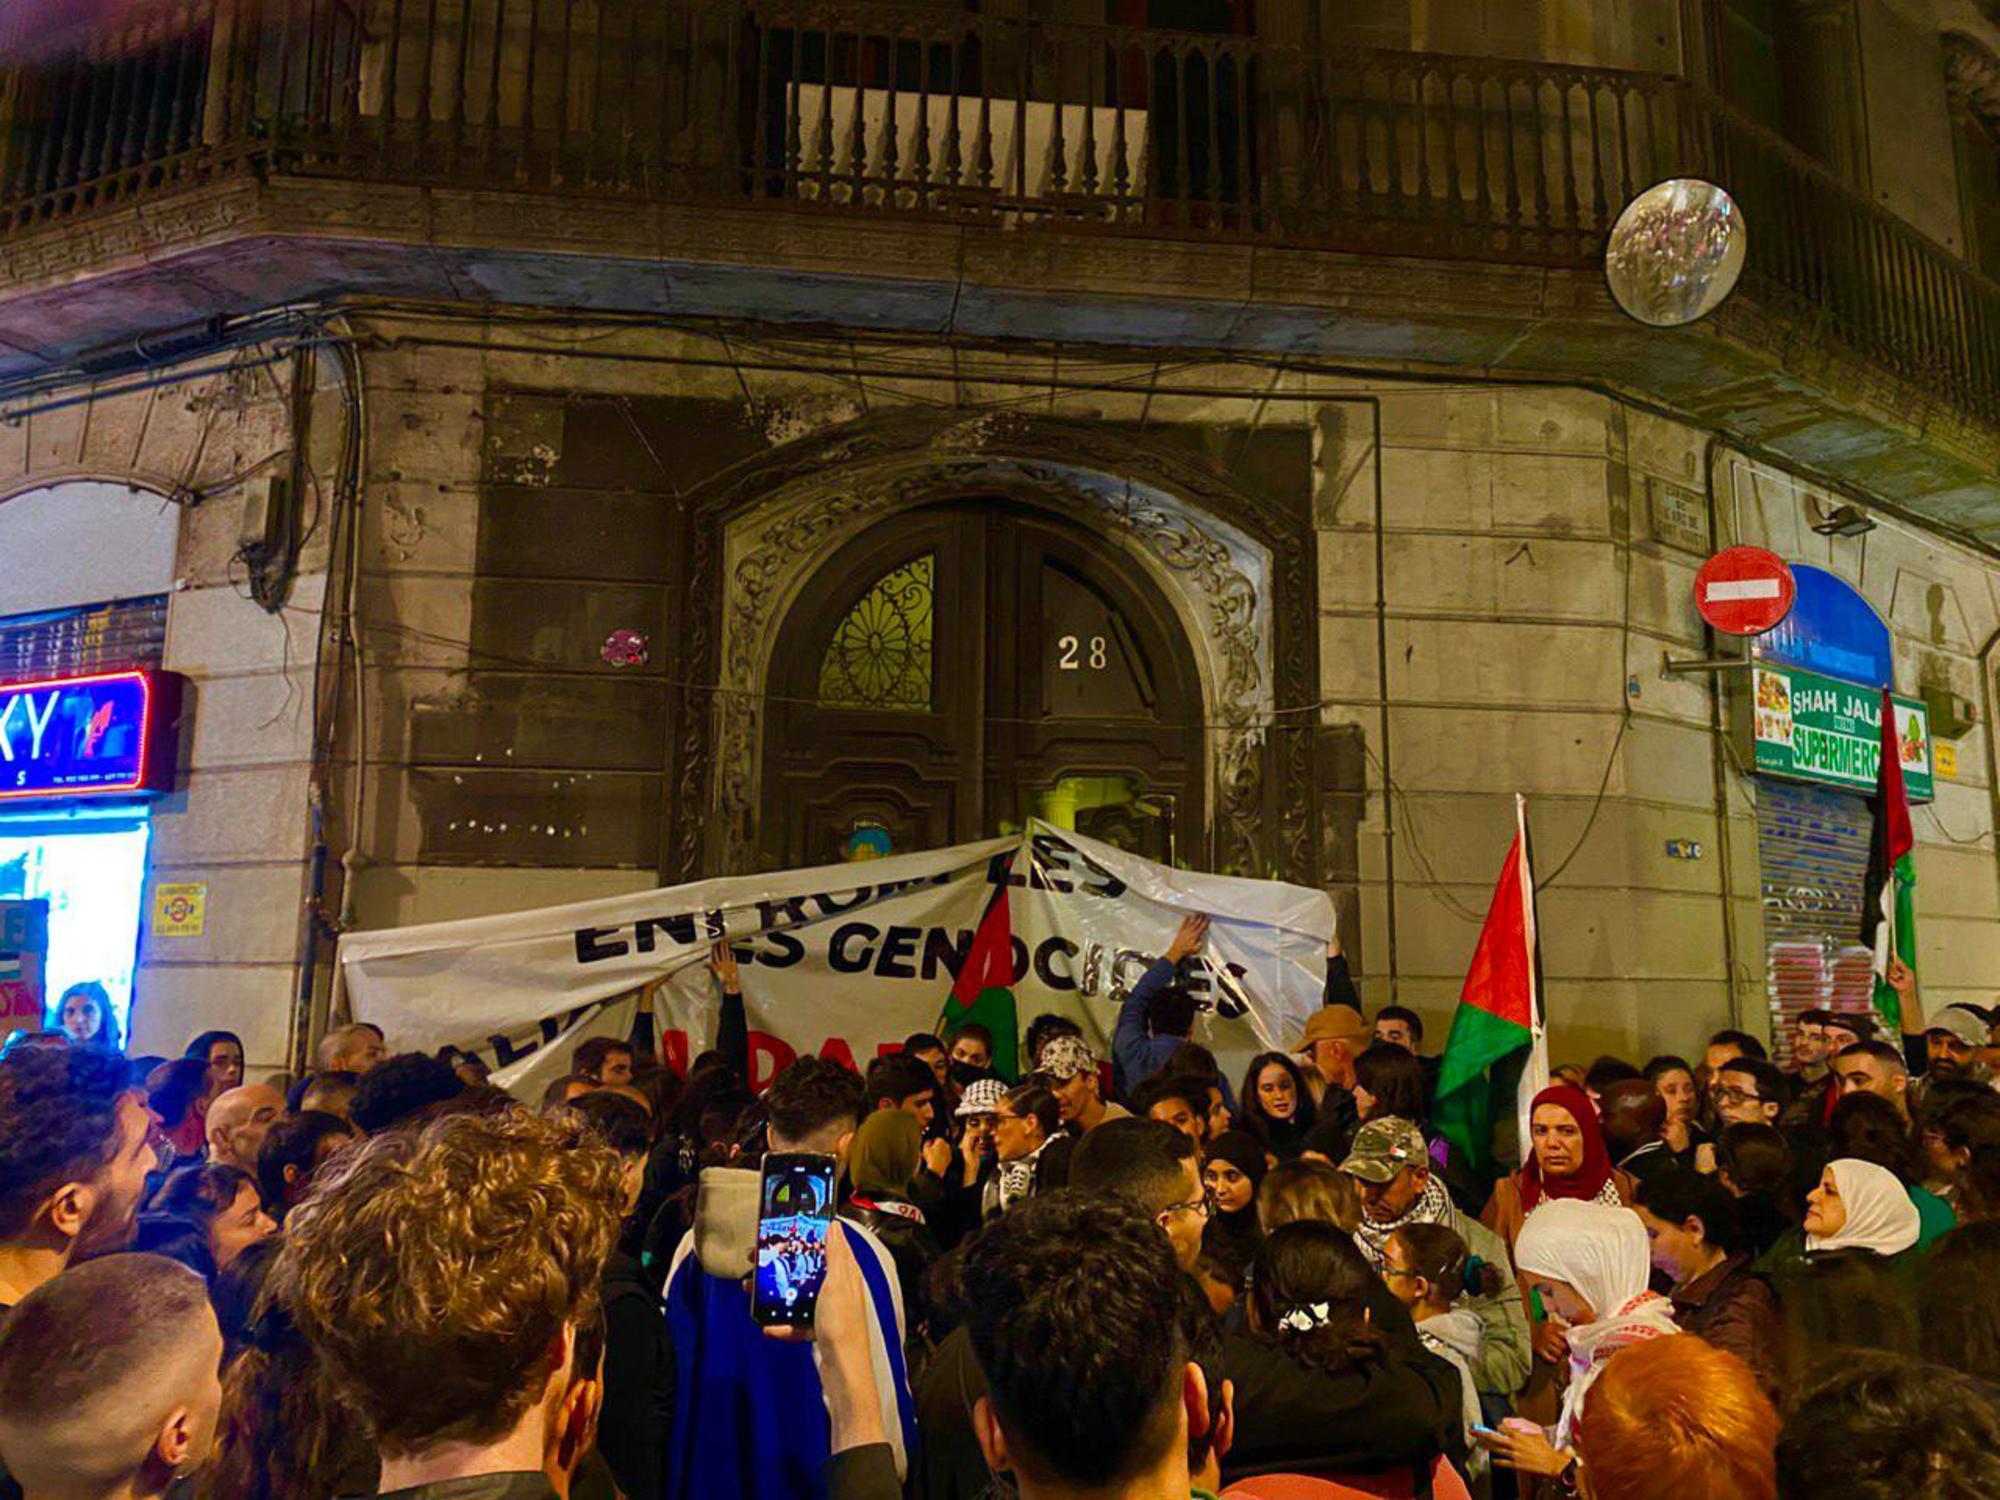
(1624, 718)
(1596, 806)
(1427, 875)
(890, 358)
(1977, 841)
(476, 656)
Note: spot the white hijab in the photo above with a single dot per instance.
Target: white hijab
(1880, 1215)
(1603, 1252)
(1599, 1250)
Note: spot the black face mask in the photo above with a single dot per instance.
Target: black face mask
(964, 1074)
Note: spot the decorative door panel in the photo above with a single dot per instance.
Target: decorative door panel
(961, 668)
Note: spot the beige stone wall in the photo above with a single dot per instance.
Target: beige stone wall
(238, 820)
(1641, 34)
(1518, 595)
(428, 446)
(1911, 162)
(1515, 591)
(1522, 610)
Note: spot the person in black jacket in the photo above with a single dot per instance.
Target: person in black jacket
(972, 1185)
(881, 1165)
(1127, 1162)
(1276, 1103)
(638, 1354)
(477, 1368)
(1332, 1380)
(108, 1379)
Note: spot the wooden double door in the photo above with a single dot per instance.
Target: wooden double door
(960, 668)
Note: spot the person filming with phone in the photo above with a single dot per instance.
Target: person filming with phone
(752, 1421)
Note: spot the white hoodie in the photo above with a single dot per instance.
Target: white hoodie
(1457, 1336)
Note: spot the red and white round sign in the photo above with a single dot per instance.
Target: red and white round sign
(1745, 590)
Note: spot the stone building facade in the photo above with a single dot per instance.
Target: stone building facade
(1287, 551)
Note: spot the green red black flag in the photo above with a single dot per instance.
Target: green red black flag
(1888, 903)
(984, 989)
(1497, 1056)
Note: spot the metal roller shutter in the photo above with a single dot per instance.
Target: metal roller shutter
(1812, 849)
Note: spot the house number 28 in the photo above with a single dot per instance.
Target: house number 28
(1073, 653)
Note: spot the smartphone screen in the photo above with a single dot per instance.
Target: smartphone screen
(795, 1209)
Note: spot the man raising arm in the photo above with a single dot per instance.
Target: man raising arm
(1159, 1013)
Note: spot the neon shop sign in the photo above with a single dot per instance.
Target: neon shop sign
(114, 734)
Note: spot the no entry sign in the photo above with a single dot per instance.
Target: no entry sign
(1744, 591)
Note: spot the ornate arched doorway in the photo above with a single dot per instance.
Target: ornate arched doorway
(957, 668)
(1211, 542)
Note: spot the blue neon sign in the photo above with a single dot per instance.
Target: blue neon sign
(105, 735)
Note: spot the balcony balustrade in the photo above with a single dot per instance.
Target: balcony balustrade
(887, 109)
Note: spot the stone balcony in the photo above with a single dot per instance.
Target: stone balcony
(909, 170)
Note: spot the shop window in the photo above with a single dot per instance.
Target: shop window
(85, 540)
(1743, 39)
(92, 873)
(880, 655)
(1795, 69)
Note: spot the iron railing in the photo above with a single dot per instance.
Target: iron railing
(925, 110)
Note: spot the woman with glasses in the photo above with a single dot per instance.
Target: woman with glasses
(1029, 1144)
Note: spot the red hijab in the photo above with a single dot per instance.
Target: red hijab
(1588, 1180)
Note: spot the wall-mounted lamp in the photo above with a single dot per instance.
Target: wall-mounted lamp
(1842, 520)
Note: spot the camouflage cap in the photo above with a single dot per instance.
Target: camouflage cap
(1382, 1148)
(1066, 1057)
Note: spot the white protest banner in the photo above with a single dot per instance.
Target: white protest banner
(845, 960)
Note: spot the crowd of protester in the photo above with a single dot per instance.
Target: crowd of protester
(1707, 1277)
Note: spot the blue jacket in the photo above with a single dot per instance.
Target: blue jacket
(1136, 1056)
(751, 1420)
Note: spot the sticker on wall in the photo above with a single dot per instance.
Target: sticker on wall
(180, 911)
(625, 648)
(1944, 754)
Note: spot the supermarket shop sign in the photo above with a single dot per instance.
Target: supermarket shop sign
(1813, 728)
(113, 734)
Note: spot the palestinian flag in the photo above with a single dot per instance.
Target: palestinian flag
(1888, 904)
(984, 988)
(1497, 1056)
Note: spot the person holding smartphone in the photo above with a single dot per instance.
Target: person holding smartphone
(751, 1422)
(1587, 1266)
